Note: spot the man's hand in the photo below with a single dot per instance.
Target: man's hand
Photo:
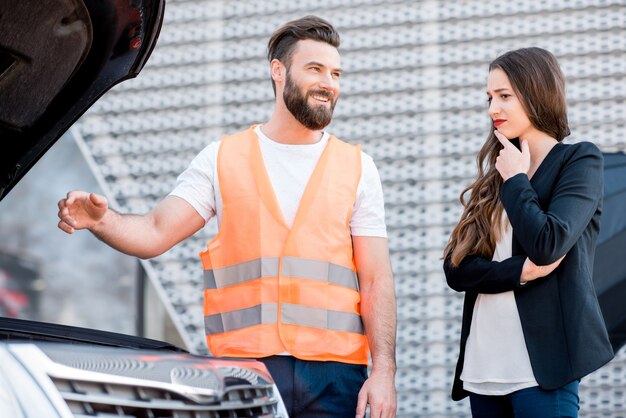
(531, 271)
(379, 391)
(81, 210)
(511, 161)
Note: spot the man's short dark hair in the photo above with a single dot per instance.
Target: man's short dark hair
(282, 43)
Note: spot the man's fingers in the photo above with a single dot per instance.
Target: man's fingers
(361, 404)
(97, 200)
(384, 408)
(375, 410)
(393, 410)
(70, 198)
(75, 195)
(66, 218)
(374, 413)
(65, 227)
(64, 213)
(389, 412)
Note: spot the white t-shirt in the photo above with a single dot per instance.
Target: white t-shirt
(289, 168)
(496, 357)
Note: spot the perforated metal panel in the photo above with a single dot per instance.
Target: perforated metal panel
(413, 95)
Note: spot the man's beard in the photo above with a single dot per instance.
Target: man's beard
(313, 118)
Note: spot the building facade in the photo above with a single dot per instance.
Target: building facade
(413, 94)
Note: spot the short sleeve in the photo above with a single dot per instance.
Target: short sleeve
(368, 215)
(196, 185)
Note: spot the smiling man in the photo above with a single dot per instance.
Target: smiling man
(298, 275)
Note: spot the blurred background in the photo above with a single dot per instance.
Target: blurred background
(413, 94)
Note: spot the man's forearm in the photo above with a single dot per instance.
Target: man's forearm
(127, 233)
(378, 310)
(149, 235)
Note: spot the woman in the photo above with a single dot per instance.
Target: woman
(523, 251)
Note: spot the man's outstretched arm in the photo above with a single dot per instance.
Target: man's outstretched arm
(143, 236)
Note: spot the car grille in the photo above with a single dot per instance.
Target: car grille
(97, 399)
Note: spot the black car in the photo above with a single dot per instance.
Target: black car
(57, 57)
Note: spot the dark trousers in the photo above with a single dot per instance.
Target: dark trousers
(528, 403)
(317, 389)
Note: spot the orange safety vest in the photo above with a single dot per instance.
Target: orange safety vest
(269, 288)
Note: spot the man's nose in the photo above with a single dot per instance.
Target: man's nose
(328, 82)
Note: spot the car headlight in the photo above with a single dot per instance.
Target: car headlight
(20, 395)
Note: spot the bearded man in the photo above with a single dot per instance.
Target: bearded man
(298, 275)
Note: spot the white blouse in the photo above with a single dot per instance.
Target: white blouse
(496, 357)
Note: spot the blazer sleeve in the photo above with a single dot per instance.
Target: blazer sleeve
(479, 275)
(547, 235)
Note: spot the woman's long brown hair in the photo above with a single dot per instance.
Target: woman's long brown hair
(537, 80)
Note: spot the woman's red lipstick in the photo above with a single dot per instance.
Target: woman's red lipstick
(498, 122)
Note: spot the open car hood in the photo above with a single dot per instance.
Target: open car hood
(57, 57)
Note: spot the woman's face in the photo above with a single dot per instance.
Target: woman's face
(505, 108)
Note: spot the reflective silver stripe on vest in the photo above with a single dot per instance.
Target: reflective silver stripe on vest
(292, 267)
(291, 314)
(242, 318)
(239, 273)
(321, 318)
(320, 270)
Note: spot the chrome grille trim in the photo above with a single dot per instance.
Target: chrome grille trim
(87, 397)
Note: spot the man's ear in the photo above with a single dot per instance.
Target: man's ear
(278, 71)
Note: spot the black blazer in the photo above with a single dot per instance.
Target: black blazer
(557, 212)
